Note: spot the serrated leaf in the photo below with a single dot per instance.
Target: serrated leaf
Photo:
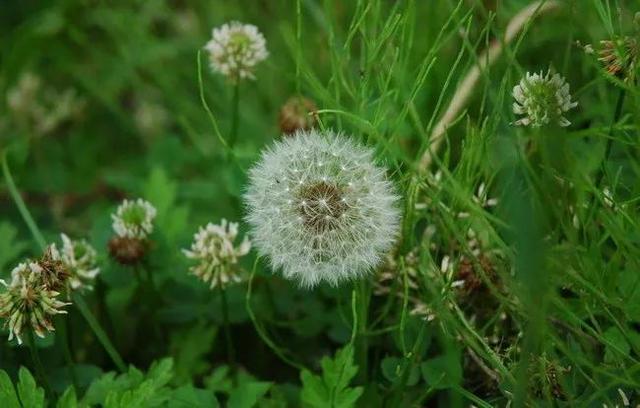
(30, 394)
(68, 399)
(190, 397)
(332, 389)
(248, 394)
(8, 394)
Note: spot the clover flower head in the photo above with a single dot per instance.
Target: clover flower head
(235, 49)
(27, 302)
(213, 248)
(542, 99)
(134, 219)
(79, 258)
(321, 209)
(298, 113)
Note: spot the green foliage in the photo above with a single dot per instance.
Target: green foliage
(515, 281)
(331, 389)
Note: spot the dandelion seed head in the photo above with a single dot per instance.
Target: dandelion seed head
(542, 99)
(235, 49)
(336, 223)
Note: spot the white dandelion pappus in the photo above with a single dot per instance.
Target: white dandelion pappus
(542, 99)
(235, 49)
(213, 248)
(320, 208)
(134, 219)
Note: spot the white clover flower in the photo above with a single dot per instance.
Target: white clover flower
(27, 302)
(235, 49)
(213, 248)
(79, 258)
(134, 219)
(542, 99)
(321, 209)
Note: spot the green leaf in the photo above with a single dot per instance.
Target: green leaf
(616, 347)
(444, 371)
(332, 389)
(7, 392)
(248, 394)
(68, 399)
(189, 348)
(30, 394)
(394, 367)
(190, 397)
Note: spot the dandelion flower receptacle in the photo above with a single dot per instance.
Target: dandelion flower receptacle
(235, 49)
(320, 208)
(216, 255)
(542, 99)
(27, 303)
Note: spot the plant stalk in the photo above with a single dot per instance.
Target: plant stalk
(231, 352)
(37, 363)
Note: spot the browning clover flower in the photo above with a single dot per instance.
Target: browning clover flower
(297, 114)
(134, 219)
(235, 49)
(79, 258)
(213, 248)
(619, 56)
(28, 302)
(542, 99)
(321, 209)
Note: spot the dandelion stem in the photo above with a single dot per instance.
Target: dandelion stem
(83, 308)
(235, 114)
(37, 363)
(231, 352)
(261, 331)
(362, 341)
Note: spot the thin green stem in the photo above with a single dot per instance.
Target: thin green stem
(83, 308)
(298, 45)
(231, 352)
(17, 198)
(37, 363)
(362, 342)
(206, 107)
(616, 116)
(260, 330)
(235, 115)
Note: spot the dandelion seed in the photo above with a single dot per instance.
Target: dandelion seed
(134, 219)
(542, 99)
(27, 303)
(350, 218)
(213, 248)
(235, 49)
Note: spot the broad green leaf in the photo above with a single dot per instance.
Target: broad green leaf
(30, 394)
(8, 394)
(190, 397)
(444, 371)
(332, 388)
(68, 399)
(248, 394)
(617, 346)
